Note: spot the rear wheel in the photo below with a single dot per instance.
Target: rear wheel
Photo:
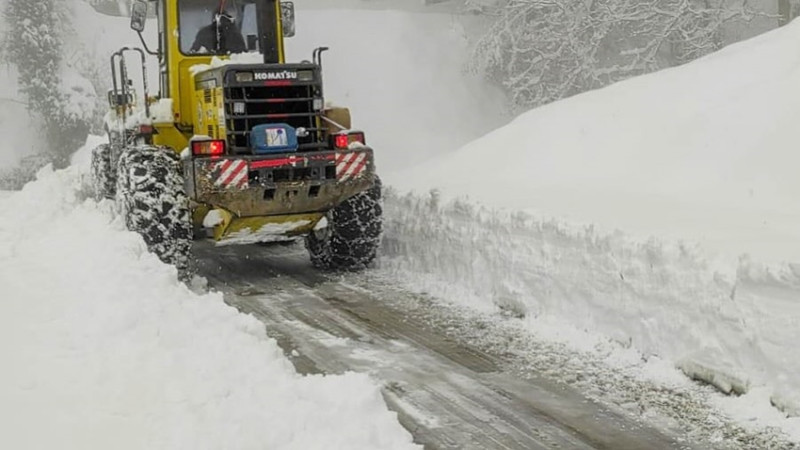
(103, 176)
(352, 236)
(152, 200)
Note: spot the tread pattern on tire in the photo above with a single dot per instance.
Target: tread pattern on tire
(103, 176)
(152, 199)
(352, 237)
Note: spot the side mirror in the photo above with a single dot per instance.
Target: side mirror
(287, 18)
(138, 15)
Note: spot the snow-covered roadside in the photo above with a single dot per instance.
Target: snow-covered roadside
(700, 156)
(734, 326)
(103, 348)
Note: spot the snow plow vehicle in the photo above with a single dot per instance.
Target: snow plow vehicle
(238, 146)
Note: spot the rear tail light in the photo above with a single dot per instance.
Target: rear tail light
(146, 129)
(345, 140)
(208, 148)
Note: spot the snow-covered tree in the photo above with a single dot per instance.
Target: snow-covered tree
(32, 43)
(545, 50)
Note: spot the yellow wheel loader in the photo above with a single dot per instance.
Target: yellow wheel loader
(238, 146)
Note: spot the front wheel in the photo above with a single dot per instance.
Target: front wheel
(352, 236)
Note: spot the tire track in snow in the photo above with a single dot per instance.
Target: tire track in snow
(447, 394)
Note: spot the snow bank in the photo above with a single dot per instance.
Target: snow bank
(103, 348)
(703, 156)
(730, 323)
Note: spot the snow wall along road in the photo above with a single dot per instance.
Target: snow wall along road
(702, 158)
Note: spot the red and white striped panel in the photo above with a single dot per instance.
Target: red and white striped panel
(350, 165)
(231, 174)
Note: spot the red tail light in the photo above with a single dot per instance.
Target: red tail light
(217, 147)
(208, 148)
(343, 140)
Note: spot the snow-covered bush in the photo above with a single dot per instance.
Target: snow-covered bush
(545, 50)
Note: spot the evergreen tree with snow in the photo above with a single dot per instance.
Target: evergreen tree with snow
(31, 43)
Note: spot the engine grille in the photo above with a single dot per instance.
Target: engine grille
(289, 104)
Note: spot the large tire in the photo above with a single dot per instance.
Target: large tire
(152, 199)
(104, 175)
(353, 235)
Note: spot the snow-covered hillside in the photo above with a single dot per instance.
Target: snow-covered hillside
(661, 213)
(706, 152)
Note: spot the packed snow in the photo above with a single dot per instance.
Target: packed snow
(104, 348)
(240, 58)
(660, 213)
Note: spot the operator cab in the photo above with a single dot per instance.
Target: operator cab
(218, 27)
(192, 32)
(223, 27)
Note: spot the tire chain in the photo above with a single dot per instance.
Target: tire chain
(103, 179)
(152, 199)
(353, 234)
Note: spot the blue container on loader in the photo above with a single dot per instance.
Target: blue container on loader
(273, 138)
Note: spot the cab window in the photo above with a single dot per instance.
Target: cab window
(218, 27)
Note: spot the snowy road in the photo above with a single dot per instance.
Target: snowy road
(447, 394)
